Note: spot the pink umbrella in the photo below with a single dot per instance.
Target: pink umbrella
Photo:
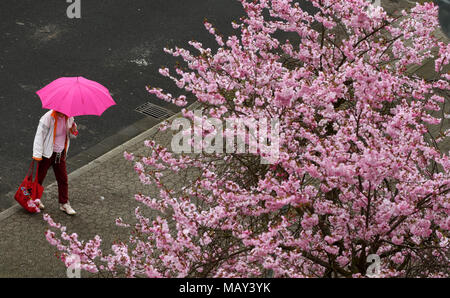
(75, 96)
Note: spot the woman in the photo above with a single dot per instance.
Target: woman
(51, 144)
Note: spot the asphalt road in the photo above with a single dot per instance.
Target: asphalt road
(115, 42)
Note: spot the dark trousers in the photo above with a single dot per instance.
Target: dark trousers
(59, 168)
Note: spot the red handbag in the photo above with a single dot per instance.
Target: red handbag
(30, 191)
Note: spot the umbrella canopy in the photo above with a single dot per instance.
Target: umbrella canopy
(75, 96)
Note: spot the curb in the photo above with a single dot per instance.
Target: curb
(99, 160)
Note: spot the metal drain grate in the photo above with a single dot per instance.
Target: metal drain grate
(154, 111)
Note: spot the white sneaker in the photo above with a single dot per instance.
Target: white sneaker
(67, 208)
(41, 206)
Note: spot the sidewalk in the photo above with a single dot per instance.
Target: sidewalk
(100, 192)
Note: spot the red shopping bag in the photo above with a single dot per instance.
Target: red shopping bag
(30, 191)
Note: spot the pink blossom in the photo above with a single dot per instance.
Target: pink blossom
(357, 173)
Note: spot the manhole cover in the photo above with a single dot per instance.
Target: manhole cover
(154, 111)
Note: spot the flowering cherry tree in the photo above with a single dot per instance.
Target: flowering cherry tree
(358, 173)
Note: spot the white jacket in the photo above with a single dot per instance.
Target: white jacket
(45, 135)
